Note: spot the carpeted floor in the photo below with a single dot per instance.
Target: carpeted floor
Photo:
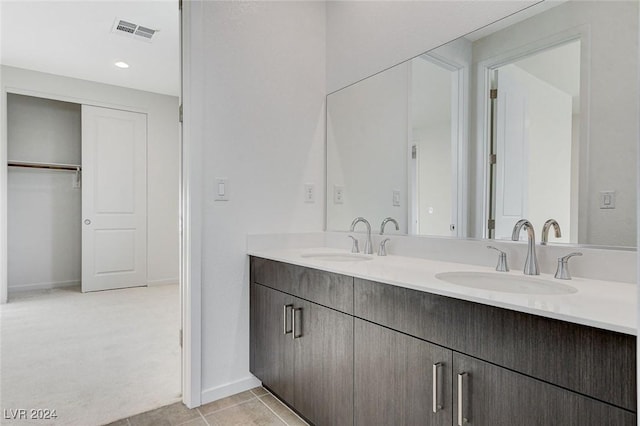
(93, 358)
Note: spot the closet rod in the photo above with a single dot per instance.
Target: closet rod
(52, 166)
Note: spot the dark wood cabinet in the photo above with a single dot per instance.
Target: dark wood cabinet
(271, 355)
(588, 360)
(364, 353)
(485, 394)
(323, 359)
(303, 352)
(394, 379)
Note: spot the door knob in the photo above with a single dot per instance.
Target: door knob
(87, 222)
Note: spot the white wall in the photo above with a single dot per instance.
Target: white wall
(162, 151)
(367, 133)
(366, 37)
(43, 208)
(263, 125)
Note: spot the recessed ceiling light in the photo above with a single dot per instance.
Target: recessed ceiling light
(121, 64)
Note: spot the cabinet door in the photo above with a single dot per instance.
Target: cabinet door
(271, 349)
(491, 395)
(323, 358)
(394, 379)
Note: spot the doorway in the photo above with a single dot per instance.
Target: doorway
(535, 121)
(435, 127)
(161, 270)
(76, 195)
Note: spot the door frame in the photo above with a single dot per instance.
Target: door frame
(483, 83)
(191, 189)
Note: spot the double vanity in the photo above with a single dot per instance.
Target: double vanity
(348, 338)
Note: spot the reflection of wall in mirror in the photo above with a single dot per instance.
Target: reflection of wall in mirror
(431, 94)
(609, 35)
(367, 150)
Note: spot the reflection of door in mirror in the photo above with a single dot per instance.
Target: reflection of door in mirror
(536, 116)
(434, 134)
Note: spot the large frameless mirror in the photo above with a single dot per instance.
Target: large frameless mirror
(532, 117)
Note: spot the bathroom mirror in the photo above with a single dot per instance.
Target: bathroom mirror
(534, 116)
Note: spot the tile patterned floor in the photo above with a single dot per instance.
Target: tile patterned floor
(253, 407)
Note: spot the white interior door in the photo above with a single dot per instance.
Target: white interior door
(114, 193)
(512, 152)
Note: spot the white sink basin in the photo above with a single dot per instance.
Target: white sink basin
(338, 257)
(506, 283)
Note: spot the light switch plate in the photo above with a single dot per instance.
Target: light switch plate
(221, 189)
(607, 199)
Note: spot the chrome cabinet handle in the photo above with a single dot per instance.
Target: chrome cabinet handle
(87, 222)
(436, 406)
(293, 322)
(285, 309)
(461, 419)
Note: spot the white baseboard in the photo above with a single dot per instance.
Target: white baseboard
(223, 391)
(42, 286)
(162, 282)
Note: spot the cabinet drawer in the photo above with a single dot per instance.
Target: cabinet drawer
(591, 361)
(325, 288)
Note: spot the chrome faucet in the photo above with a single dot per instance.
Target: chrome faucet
(545, 230)
(531, 264)
(387, 220)
(367, 244)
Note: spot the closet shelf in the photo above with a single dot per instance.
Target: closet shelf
(51, 166)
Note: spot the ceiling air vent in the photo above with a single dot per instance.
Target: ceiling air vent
(129, 29)
(145, 32)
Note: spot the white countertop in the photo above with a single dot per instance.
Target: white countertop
(601, 304)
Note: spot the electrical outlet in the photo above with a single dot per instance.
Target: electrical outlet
(338, 194)
(396, 198)
(309, 193)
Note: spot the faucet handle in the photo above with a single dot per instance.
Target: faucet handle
(502, 260)
(354, 248)
(562, 273)
(382, 250)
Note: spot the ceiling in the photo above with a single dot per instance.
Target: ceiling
(75, 39)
